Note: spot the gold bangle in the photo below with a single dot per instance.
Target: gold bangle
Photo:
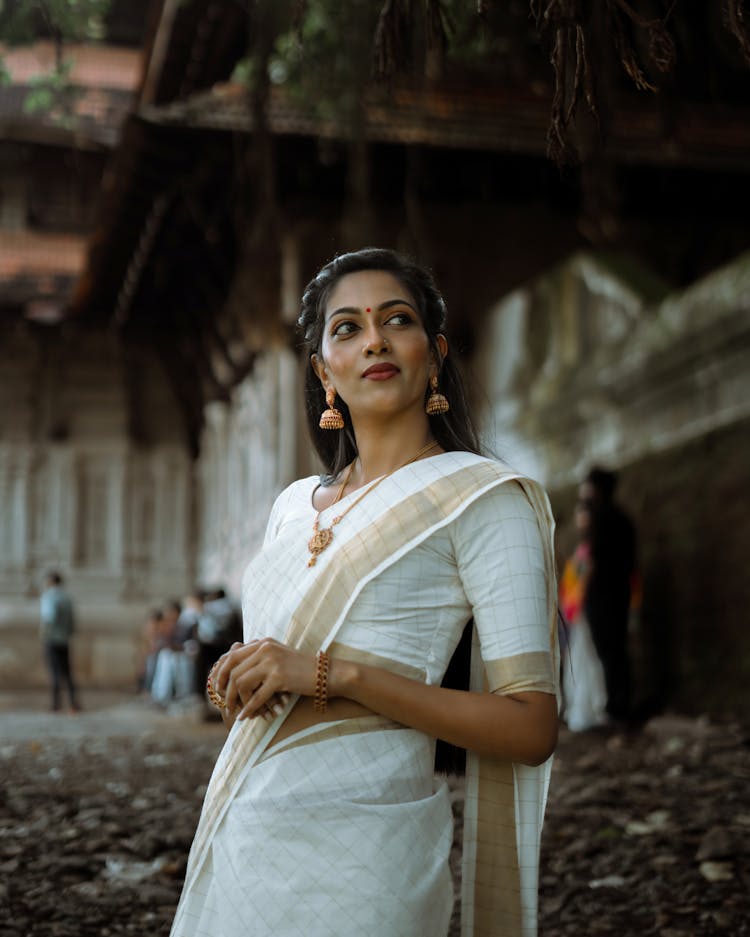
(320, 702)
(216, 698)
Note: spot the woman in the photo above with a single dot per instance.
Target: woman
(324, 817)
(584, 692)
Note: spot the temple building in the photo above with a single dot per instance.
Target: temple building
(150, 388)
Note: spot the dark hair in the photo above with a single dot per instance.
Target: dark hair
(603, 482)
(453, 430)
(54, 577)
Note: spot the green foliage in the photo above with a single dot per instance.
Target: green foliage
(62, 21)
(322, 60)
(53, 94)
(23, 21)
(327, 57)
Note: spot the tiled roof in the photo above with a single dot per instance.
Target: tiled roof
(492, 119)
(475, 119)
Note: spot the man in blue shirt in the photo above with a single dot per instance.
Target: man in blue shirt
(57, 625)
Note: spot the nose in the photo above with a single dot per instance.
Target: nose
(376, 343)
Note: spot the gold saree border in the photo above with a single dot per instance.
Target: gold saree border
(521, 673)
(324, 731)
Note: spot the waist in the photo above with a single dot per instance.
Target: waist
(304, 715)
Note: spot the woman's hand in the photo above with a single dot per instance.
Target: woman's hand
(255, 677)
(271, 709)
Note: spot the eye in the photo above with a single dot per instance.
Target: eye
(344, 327)
(400, 318)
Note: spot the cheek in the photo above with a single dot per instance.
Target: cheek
(416, 351)
(336, 357)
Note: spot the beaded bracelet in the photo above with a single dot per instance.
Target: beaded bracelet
(216, 698)
(320, 703)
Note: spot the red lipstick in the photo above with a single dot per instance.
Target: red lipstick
(380, 372)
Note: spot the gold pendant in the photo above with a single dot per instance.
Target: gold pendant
(318, 542)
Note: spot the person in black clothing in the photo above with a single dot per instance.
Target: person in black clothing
(607, 599)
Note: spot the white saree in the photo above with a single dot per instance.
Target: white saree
(341, 828)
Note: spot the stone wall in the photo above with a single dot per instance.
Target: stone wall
(78, 495)
(596, 363)
(250, 451)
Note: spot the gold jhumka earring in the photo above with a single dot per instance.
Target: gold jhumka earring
(331, 418)
(436, 402)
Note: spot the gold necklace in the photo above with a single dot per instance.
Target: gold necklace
(322, 536)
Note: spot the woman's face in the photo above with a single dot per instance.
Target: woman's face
(375, 352)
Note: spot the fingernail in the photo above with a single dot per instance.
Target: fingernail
(285, 697)
(278, 709)
(267, 716)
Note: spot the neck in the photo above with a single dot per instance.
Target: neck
(385, 447)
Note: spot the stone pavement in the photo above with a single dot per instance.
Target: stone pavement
(25, 715)
(646, 833)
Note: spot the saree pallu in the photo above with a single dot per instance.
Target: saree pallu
(252, 798)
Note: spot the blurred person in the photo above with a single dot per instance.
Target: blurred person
(57, 627)
(174, 673)
(219, 626)
(608, 590)
(153, 639)
(584, 690)
(323, 816)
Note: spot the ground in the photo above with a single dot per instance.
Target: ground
(646, 833)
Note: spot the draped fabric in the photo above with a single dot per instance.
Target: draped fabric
(388, 837)
(584, 689)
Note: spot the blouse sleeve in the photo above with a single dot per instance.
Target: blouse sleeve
(500, 558)
(276, 515)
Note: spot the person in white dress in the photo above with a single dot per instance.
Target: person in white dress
(324, 816)
(584, 688)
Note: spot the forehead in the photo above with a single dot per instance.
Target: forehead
(367, 288)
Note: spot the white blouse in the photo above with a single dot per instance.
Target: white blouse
(487, 563)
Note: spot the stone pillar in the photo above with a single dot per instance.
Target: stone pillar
(289, 399)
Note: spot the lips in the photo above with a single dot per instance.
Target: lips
(380, 372)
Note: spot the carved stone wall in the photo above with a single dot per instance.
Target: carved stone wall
(250, 451)
(596, 363)
(77, 495)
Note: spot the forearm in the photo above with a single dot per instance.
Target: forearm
(522, 728)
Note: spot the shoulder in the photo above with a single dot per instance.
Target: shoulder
(508, 516)
(295, 498)
(299, 491)
(491, 481)
(503, 501)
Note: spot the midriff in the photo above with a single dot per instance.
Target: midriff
(304, 715)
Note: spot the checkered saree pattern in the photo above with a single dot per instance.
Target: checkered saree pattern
(505, 803)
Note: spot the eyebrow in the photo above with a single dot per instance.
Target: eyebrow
(352, 310)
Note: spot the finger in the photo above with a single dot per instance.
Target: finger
(244, 681)
(259, 698)
(235, 656)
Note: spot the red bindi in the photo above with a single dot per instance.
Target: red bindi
(368, 309)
